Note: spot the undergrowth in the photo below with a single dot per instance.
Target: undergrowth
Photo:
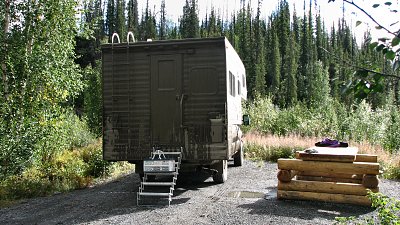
(68, 170)
(267, 153)
(388, 212)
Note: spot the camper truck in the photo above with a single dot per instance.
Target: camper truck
(174, 96)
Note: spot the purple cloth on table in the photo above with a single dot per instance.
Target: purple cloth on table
(331, 143)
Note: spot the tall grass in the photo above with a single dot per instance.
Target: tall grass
(373, 131)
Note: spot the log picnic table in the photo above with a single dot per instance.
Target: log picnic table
(331, 174)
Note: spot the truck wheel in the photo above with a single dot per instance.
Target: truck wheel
(222, 171)
(238, 158)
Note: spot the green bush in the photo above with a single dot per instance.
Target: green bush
(258, 152)
(93, 99)
(391, 140)
(92, 155)
(388, 211)
(66, 170)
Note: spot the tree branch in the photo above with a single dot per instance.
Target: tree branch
(369, 15)
(359, 67)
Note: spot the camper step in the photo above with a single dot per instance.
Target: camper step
(158, 183)
(157, 194)
(161, 173)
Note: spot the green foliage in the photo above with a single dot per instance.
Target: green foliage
(189, 22)
(92, 155)
(388, 210)
(39, 77)
(93, 99)
(319, 85)
(66, 170)
(329, 119)
(392, 172)
(258, 152)
(391, 141)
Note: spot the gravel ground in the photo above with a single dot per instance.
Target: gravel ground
(197, 200)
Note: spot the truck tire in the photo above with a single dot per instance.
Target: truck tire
(222, 171)
(238, 158)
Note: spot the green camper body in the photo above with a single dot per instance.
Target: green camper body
(173, 95)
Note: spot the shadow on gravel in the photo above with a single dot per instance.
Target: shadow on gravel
(99, 203)
(306, 210)
(117, 197)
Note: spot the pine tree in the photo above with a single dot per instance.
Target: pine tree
(133, 17)
(319, 85)
(304, 60)
(275, 70)
(296, 26)
(162, 34)
(259, 86)
(290, 66)
(147, 27)
(189, 22)
(319, 38)
(120, 26)
(110, 19)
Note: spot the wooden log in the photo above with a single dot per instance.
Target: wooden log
(329, 179)
(329, 167)
(286, 175)
(333, 175)
(326, 197)
(370, 181)
(366, 158)
(328, 154)
(325, 187)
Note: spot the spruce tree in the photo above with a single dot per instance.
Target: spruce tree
(290, 67)
(110, 19)
(259, 86)
(189, 22)
(304, 59)
(133, 17)
(275, 70)
(319, 84)
(120, 26)
(162, 34)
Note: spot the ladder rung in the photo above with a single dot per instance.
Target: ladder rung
(172, 153)
(158, 183)
(155, 194)
(161, 173)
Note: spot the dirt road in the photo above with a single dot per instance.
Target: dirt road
(248, 197)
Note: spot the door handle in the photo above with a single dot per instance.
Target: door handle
(183, 97)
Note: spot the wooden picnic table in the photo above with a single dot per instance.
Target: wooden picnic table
(337, 174)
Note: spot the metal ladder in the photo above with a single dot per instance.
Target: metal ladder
(160, 164)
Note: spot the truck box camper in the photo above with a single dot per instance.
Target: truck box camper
(174, 96)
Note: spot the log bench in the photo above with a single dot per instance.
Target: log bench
(328, 174)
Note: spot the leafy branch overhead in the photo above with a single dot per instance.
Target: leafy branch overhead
(368, 78)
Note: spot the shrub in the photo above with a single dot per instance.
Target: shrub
(258, 152)
(391, 140)
(388, 211)
(92, 155)
(66, 170)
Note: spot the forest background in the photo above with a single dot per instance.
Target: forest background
(304, 79)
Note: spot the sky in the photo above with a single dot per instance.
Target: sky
(331, 12)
